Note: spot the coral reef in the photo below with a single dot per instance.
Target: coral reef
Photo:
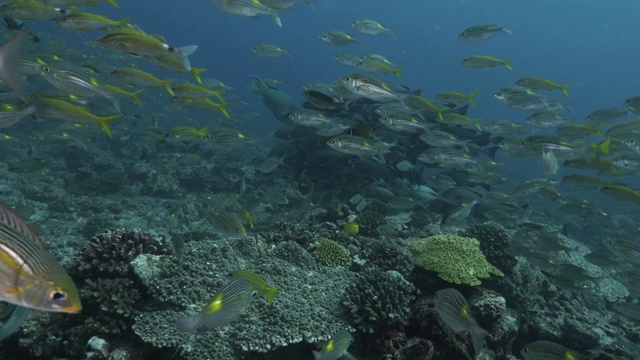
(111, 295)
(331, 253)
(494, 242)
(109, 254)
(306, 308)
(386, 254)
(456, 259)
(377, 300)
(369, 221)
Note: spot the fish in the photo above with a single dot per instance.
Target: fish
(278, 102)
(16, 24)
(10, 74)
(30, 10)
(355, 145)
(227, 306)
(137, 77)
(202, 103)
(377, 67)
(338, 38)
(11, 318)
(189, 133)
(139, 43)
(60, 109)
(453, 97)
(538, 83)
(322, 100)
(270, 164)
(133, 95)
(193, 91)
(606, 116)
(87, 21)
(482, 32)
(459, 215)
(548, 350)
(456, 314)
(10, 115)
(228, 224)
(370, 27)
(248, 8)
(347, 59)
(30, 276)
(484, 61)
(75, 81)
(336, 347)
(270, 51)
(257, 283)
(549, 163)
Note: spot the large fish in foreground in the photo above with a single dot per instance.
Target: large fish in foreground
(274, 99)
(29, 275)
(9, 71)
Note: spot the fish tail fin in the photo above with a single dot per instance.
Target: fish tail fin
(104, 123)
(471, 97)
(397, 72)
(507, 63)
(124, 22)
(204, 131)
(565, 89)
(505, 30)
(271, 293)
(134, 96)
(478, 336)
(189, 323)
(114, 3)
(183, 55)
(604, 147)
(491, 152)
(218, 94)
(166, 84)
(196, 73)
(9, 70)
(392, 34)
(276, 19)
(223, 109)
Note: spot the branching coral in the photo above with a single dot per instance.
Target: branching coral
(331, 253)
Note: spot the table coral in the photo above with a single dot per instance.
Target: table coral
(456, 259)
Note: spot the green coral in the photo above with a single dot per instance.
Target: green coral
(331, 253)
(456, 259)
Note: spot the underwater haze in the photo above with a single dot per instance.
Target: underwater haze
(317, 179)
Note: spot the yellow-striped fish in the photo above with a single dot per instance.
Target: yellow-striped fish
(257, 283)
(231, 302)
(336, 347)
(29, 275)
(456, 314)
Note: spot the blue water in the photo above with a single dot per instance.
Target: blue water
(590, 44)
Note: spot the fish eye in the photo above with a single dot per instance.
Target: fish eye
(206, 137)
(57, 295)
(333, 141)
(347, 78)
(46, 69)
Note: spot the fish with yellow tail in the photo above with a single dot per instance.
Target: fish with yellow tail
(227, 306)
(60, 109)
(29, 275)
(257, 283)
(136, 42)
(456, 314)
